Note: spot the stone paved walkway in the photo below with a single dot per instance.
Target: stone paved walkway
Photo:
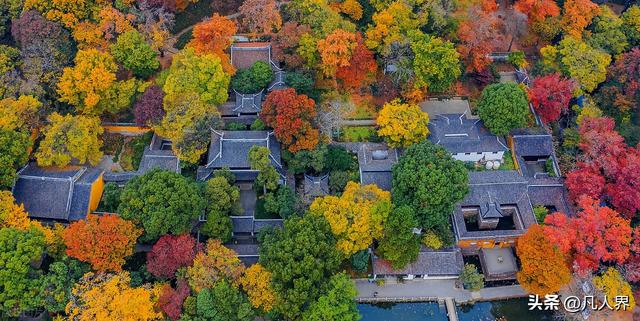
(433, 290)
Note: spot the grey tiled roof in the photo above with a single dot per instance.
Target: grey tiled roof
(550, 195)
(376, 161)
(278, 80)
(258, 225)
(505, 188)
(55, 194)
(242, 224)
(248, 224)
(533, 145)
(315, 186)
(247, 103)
(381, 179)
(432, 263)
(459, 134)
(231, 148)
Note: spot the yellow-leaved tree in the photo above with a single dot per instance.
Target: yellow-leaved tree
(106, 297)
(402, 124)
(613, 285)
(68, 138)
(256, 282)
(91, 84)
(13, 215)
(19, 114)
(357, 217)
(214, 264)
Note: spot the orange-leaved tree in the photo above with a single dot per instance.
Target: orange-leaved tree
(335, 50)
(102, 241)
(291, 115)
(577, 16)
(214, 36)
(596, 234)
(361, 70)
(260, 17)
(105, 297)
(479, 35)
(537, 10)
(256, 282)
(214, 264)
(544, 269)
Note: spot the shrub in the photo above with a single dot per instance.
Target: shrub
(431, 240)
(252, 80)
(540, 212)
(471, 279)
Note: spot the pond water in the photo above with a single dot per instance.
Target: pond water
(512, 310)
(422, 311)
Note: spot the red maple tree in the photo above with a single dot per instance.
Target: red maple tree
(550, 96)
(291, 116)
(170, 253)
(586, 180)
(361, 70)
(102, 241)
(170, 300)
(609, 170)
(597, 234)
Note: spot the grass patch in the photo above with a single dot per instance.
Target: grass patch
(359, 134)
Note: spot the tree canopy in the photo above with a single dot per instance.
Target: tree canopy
(429, 180)
(357, 217)
(68, 138)
(291, 116)
(402, 124)
(544, 269)
(301, 258)
(503, 107)
(161, 202)
(102, 241)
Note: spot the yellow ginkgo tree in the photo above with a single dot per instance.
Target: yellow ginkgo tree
(402, 124)
(357, 217)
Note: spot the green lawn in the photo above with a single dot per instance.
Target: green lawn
(359, 134)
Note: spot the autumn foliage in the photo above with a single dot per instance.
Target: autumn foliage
(256, 282)
(170, 253)
(402, 124)
(537, 10)
(577, 16)
(335, 50)
(103, 241)
(609, 169)
(170, 300)
(291, 116)
(357, 217)
(214, 264)
(361, 70)
(596, 234)
(544, 269)
(105, 297)
(260, 16)
(214, 37)
(479, 36)
(550, 96)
